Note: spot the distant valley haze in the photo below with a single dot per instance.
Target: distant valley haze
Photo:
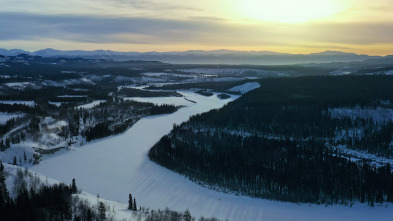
(203, 57)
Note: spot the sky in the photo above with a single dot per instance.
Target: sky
(287, 26)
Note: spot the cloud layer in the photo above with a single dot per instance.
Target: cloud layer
(178, 25)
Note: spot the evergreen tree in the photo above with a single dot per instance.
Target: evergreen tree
(7, 143)
(4, 196)
(134, 204)
(24, 156)
(102, 211)
(14, 161)
(130, 206)
(89, 215)
(74, 189)
(187, 215)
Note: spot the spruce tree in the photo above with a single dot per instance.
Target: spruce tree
(4, 196)
(187, 215)
(130, 206)
(74, 189)
(134, 204)
(89, 215)
(7, 143)
(102, 211)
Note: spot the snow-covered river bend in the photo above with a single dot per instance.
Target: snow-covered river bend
(117, 166)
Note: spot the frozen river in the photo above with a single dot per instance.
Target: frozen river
(118, 165)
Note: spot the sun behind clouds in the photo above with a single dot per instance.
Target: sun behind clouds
(288, 11)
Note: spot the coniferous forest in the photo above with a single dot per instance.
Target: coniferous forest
(281, 142)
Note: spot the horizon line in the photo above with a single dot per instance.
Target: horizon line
(190, 50)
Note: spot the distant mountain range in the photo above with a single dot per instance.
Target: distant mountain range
(204, 57)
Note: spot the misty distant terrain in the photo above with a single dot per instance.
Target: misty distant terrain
(203, 57)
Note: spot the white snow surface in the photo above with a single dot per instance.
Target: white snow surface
(21, 85)
(117, 166)
(6, 116)
(244, 88)
(116, 210)
(178, 101)
(389, 72)
(58, 104)
(92, 104)
(379, 114)
(28, 103)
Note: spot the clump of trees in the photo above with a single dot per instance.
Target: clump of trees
(278, 142)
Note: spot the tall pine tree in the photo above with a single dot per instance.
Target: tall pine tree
(130, 206)
(74, 189)
(4, 196)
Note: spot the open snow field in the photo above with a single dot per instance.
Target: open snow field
(92, 104)
(28, 103)
(4, 116)
(118, 165)
(244, 88)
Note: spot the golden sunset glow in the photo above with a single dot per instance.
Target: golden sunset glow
(293, 26)
(288, 10)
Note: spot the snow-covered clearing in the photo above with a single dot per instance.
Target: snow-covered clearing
(117, 166)
(21, 85)
(356, 155)
(379, 114)
(116, 210)
(244, 88)
(58, 104)
(92, 104)
(160, 74)
(6, 116)
(178, 101)
(28, 103)
(67, 95)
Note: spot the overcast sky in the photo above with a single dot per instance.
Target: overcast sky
(293, 26)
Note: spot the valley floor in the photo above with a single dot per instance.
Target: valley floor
(118, 165)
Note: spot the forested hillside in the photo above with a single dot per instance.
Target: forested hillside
(283, 141)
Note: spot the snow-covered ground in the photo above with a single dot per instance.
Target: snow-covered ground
(92, 104)
(116, 210)
(28, 103)
(228, 71)
(356, 155)
(58, 104)
(244, 88)
(164, 74)
(117, 166)
(21, 85)
(67, 95)
(379, 114)
(6, 116)
(178, 101)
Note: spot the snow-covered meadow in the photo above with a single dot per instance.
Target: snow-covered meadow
(7, 116)
(118, 165)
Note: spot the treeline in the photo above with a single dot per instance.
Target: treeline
(132, 92)
(163, 109)
(99, 130)
(216, 86)
(40, 202)
(273, 168)
(123, 115)
(278, 142)
(34, 201)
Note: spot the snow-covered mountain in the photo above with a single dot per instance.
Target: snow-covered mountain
(204, 57)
